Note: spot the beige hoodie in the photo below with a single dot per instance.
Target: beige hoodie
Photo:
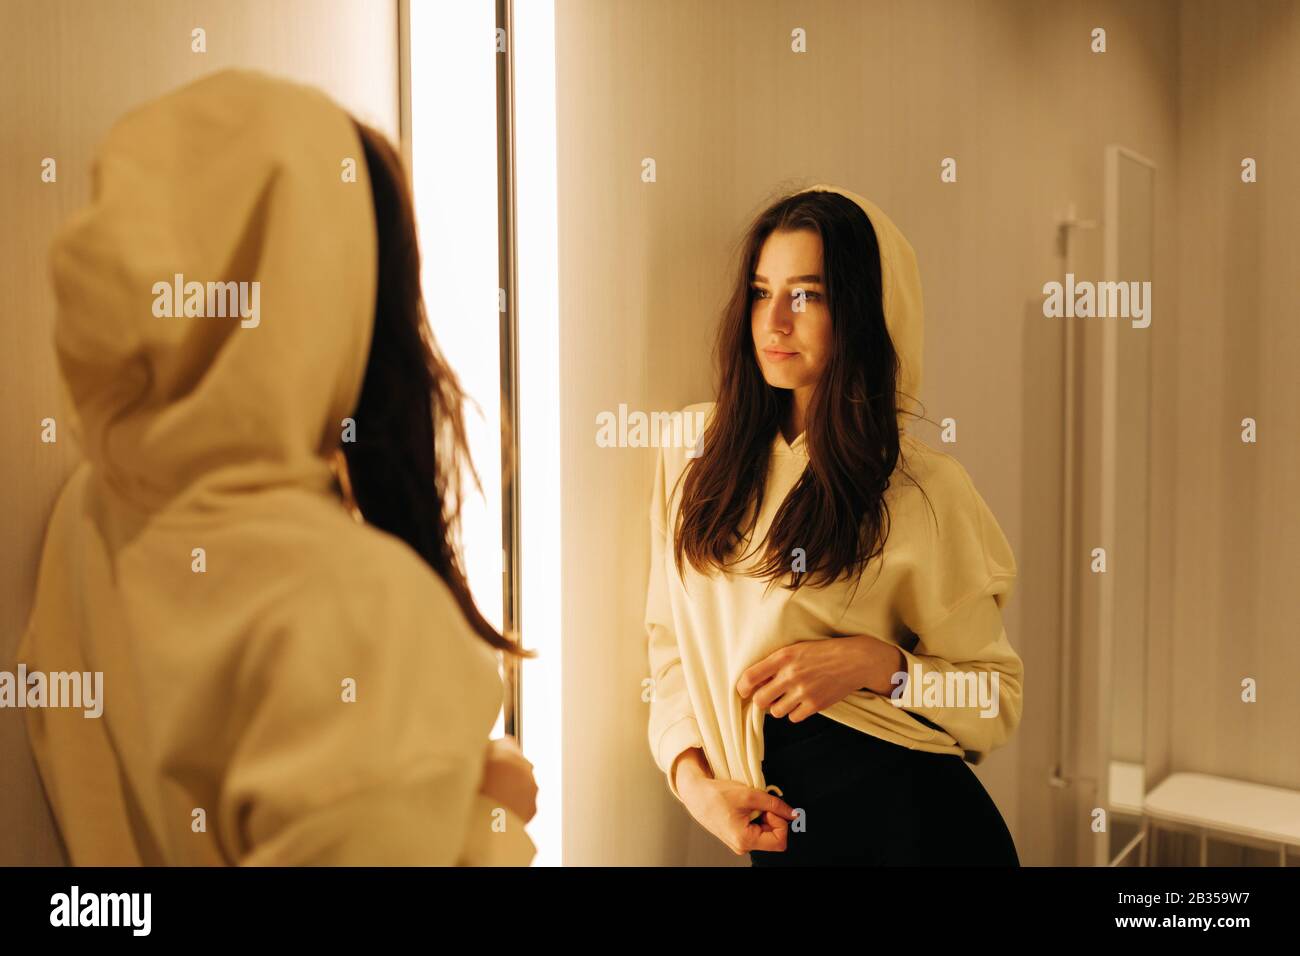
(936, 591)
(200, 557)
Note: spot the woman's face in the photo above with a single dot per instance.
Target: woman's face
(790, 319)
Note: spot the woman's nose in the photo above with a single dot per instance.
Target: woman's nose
(780, 314)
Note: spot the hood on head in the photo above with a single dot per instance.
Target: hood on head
(236, 178)
(901, 295)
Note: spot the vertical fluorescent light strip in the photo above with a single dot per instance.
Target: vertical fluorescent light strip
(453, 147)
(453, 135)
(539, 409)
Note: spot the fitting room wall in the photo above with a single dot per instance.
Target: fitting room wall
(713, 93)
(1237, 341)
(67, 71)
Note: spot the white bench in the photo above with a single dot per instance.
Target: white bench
(1234, 810)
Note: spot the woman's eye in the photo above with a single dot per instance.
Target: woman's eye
(757, 293)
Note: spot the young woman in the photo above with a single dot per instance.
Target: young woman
(293, 671)
(824, 609)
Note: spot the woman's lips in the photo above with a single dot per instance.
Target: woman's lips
(778, 356)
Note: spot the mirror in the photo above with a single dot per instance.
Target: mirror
(1129, 257)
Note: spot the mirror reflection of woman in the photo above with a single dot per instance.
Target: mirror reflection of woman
(825, 604)
(294, 669)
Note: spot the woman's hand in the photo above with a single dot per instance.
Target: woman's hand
(802, 679)
(508, 778)
(723, 807)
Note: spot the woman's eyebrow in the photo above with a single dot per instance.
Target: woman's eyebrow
(807, 278)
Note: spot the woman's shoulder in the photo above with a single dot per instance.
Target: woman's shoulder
(923, 463)
(373, 587)
(962, 519)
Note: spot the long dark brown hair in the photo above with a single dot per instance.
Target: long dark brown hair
(405, 464)
(836, 512)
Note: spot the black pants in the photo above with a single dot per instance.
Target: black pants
(868, 802)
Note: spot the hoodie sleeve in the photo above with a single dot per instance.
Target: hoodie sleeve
(672, 727)
(954, 607)
(385, 774)
(397, 823)
(971, 641)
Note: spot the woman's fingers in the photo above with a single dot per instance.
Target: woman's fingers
(769, 802)
(767, 695)
(757, 674)
(768, 832)
(779, 706)
(724, 808)
(507, 746)
(775, 832)
(802, 712)
(508, 777)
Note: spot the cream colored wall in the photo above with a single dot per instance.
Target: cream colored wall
(1237, 346)
(732, 117)
(67, 70)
